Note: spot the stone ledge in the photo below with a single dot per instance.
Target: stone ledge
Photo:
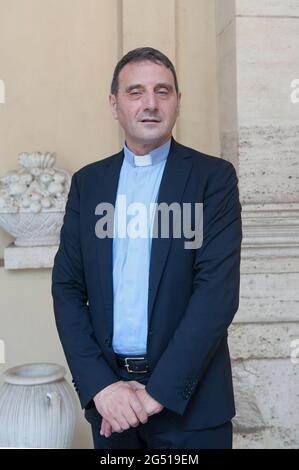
(270, 230)
(279, 264)
(262, 341)
(267, 8)
(17, 257)
(268, 298)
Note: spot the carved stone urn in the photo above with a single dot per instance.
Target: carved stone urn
(37, 407)
(32, 200)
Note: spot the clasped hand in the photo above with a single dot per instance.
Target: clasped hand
(124, 404)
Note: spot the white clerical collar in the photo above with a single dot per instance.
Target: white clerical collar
(142, 160)
(157, 155)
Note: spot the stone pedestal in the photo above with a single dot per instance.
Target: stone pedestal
(17, 257)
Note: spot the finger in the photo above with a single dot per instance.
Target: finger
(131, 418)
(102, 430)
(120, 423)
(115, 426)
(138, 409)
(108, 429)
(103, 427)
(122, 420)
(150, 405)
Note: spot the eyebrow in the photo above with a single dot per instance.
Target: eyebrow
(159, 85)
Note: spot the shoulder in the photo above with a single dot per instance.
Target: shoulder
(205, 164)
(95, 167)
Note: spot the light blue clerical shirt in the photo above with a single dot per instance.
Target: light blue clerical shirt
(139, 182)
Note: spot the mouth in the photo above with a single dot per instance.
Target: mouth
(150, 121)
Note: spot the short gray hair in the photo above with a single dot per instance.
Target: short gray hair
(138, 55)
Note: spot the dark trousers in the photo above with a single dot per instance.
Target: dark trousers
(147, 436)
(139, 438)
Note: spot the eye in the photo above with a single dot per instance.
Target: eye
(163, 92)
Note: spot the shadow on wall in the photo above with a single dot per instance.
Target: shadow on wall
(2, 352)
(2, 92)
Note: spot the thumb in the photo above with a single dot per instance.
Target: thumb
(136, 385)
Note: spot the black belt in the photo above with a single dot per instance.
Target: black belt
(133, 364)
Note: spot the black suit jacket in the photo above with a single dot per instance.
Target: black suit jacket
(193, 294)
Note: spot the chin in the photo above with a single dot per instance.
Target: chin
(152, 138)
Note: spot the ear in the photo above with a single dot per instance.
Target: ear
(179, 103)
(113, 104)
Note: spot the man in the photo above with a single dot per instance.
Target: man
(143, 320)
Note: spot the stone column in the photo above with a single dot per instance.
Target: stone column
(172, 26)
(258, 57)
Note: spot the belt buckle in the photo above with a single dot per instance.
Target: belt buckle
(128, 365)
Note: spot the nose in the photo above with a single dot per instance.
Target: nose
(150, 102)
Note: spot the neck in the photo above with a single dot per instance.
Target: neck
(143, 149)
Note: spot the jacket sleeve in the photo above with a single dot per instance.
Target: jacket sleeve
(215, 297)
(89, 369)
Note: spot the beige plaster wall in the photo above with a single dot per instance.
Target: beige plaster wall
(56, 60)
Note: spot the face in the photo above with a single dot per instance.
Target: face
(146, 105)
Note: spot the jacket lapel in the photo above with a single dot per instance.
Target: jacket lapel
(107, 193)
(174, 179)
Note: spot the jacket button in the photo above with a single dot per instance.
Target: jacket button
(108, 342)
